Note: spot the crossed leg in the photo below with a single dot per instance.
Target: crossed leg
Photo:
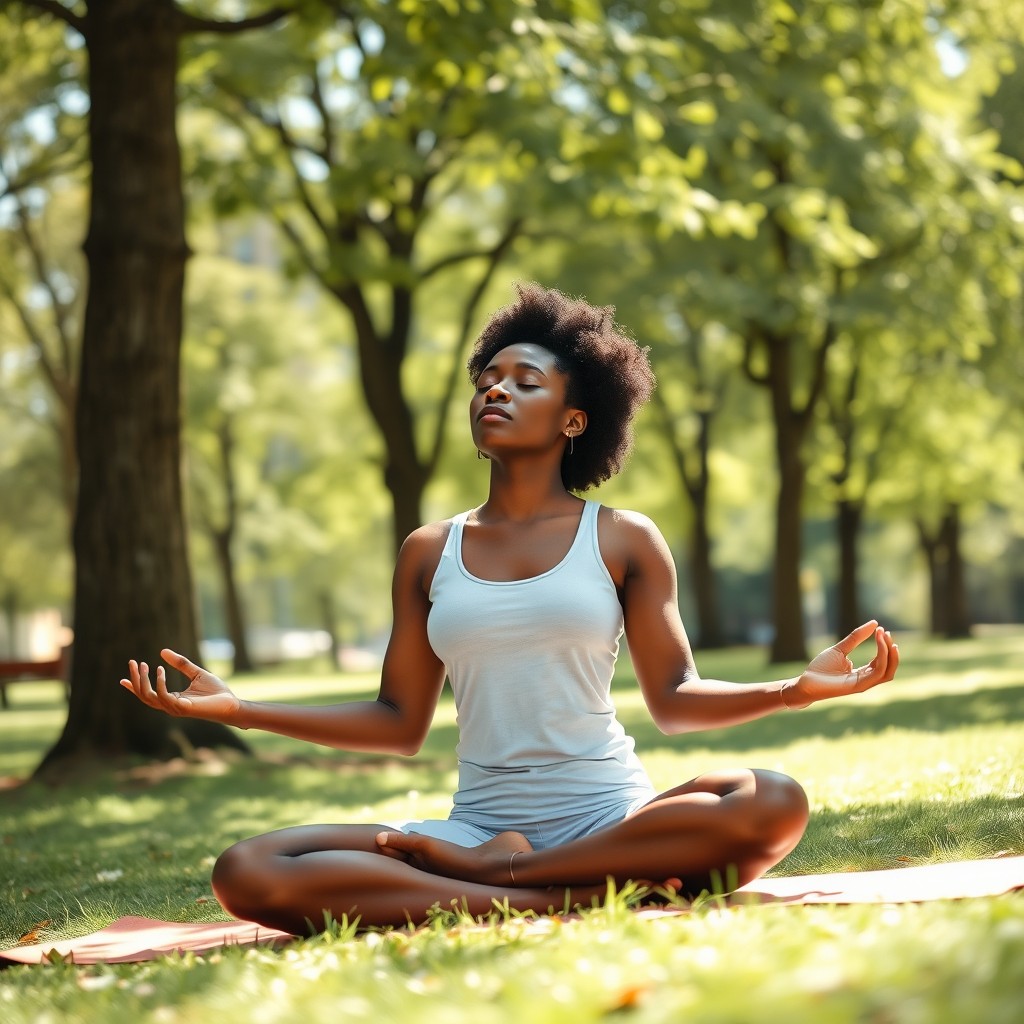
(723, 825)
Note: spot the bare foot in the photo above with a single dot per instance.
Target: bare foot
(487, 864)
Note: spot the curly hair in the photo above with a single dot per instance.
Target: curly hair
(610, 376)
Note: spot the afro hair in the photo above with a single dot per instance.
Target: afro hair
(610, 376)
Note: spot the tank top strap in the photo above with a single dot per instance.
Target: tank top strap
(453, 541)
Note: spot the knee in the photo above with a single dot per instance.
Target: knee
(780, 807)
(240, 880)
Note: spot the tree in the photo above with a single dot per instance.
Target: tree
(408, 151)
(133, 590)
(816, 132)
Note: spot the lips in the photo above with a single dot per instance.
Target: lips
(492, 410)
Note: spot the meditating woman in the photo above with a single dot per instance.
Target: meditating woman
(521, 603)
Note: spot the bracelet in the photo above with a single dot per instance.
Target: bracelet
(510, 872)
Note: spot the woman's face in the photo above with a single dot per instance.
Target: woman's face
(519, 404)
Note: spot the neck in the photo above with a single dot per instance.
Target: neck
(522, 494)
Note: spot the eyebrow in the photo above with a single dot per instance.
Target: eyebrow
(522, 365)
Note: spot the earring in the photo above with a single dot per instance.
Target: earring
(570, 436)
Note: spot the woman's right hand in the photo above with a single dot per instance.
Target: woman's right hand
(207, 696)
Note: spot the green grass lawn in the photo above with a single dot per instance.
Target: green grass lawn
(927, 769)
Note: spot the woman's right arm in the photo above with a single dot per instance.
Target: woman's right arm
(396, 722)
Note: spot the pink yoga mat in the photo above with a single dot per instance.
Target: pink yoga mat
(138, 938)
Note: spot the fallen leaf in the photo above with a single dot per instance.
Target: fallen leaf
(32, 935)
(629, 997)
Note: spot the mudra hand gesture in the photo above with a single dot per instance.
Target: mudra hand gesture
(207, 696)
(832, 673)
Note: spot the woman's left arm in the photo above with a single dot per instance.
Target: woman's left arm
(678, 698)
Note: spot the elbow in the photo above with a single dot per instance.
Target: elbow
(671, 721)
(665, 722)
(410, 745)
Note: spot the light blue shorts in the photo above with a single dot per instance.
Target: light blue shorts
(541, 835)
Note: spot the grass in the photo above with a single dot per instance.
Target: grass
(927, 769)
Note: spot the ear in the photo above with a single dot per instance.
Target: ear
(576, 424)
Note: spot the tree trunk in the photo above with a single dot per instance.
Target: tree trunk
(848, 519)
(705, 589)
(234, 617)
(380, 372)
(958, 616)
(133, 587)
(224, 544)
(329, 623)
(788, 642)
(10, 604)
(934, 556)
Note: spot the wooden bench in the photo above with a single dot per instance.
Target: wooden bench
(31, 671)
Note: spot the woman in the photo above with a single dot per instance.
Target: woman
(520, 603)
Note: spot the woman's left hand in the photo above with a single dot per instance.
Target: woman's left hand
(832, 673)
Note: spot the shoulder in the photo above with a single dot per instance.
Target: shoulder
(627, 527)
(421, 551)
(630, 541)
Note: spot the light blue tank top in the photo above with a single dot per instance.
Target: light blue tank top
(530, 663)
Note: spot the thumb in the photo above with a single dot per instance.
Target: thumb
(853, 640)
(400, 841)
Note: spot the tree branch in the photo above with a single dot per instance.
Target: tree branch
(672, 439)
(35, 337)
(293, 236)
(59, 11)
(316, 94)
(191, 23)
(289, 143)
(42, 274)
(819, 372)
(494, 258)
(760, 379)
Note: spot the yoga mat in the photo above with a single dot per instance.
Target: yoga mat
(131, 939)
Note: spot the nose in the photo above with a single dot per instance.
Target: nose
(496, 393)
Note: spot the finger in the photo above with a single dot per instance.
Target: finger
(145, 686)
(880, 662)
(161, 684)
(853, 640)
(400, 842)
(883, 666)
(894, 658)
(180, 662)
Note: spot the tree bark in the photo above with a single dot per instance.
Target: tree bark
(133, 587)
(329, 622)
(788, 642)
(234, 616)
(380, 370)
(958, 616)
(934, 557)
(705, 587)
(849, 515)
(223, 538)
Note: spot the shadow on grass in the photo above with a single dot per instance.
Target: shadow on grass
(878, 836)
(847, 717)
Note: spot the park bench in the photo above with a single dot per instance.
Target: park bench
(31, 671)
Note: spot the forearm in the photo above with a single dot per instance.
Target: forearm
(699, 704)
(367, 725)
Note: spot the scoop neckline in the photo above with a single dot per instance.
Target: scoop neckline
(576, 541)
